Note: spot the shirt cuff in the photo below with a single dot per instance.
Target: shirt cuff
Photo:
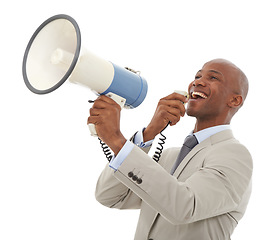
(139, 141)
(123, 153)
(127, 148)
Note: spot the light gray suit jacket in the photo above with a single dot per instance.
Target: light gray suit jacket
(204, 199)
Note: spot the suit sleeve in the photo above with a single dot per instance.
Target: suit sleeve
(112, 193)
(215, 188)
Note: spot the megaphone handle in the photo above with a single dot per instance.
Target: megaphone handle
(92, 130)
(118, 99)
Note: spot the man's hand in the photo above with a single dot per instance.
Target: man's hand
(169, 109)
(105, 114)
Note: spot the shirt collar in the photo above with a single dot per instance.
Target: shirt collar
(208, 132)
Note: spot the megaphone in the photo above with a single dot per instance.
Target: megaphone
(54, 54)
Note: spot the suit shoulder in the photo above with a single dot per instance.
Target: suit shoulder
(230, 151)
(230, 146)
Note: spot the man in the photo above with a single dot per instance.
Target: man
(202, 195)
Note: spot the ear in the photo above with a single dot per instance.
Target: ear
(235, 101)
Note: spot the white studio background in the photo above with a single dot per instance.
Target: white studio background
(49, 164)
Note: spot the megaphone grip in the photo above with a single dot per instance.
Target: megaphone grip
(92, 130)
(118, 99)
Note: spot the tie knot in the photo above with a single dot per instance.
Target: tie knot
(190, 141)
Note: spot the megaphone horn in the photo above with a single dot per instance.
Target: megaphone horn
(54, 54)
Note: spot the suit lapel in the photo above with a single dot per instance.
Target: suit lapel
(221, 136)
(189, 156)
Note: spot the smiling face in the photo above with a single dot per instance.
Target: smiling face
(216, 93)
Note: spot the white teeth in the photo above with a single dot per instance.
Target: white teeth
(194, 94)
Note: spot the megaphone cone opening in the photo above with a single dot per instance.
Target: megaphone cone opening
(57, 30)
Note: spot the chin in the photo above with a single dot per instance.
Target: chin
(196, 109)
(190, 111)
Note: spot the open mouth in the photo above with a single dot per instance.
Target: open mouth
(198, 95)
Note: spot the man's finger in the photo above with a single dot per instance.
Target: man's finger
(176, 96)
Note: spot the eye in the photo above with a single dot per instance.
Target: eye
(214, 78)
(197, 76)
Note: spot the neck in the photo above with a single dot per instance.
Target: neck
(200, 125)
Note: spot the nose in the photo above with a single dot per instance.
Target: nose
(199, 82)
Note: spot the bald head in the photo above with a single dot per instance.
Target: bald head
(235, 76)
